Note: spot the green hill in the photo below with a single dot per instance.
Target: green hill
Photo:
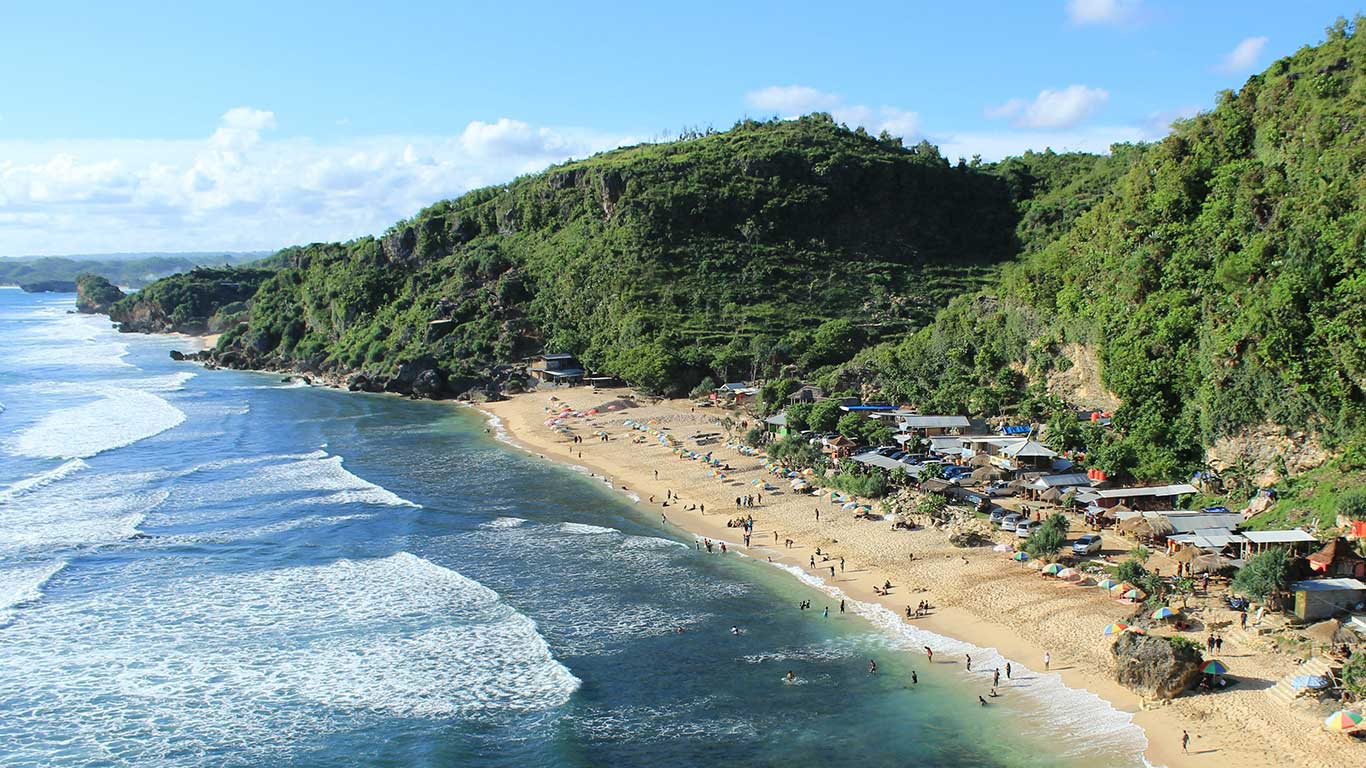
(730, 254)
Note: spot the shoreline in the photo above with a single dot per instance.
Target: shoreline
(518, 422)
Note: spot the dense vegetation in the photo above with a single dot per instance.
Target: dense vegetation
(1216, 276)
(203, 300)
(135, 270)
(785, 243)
(95, 294)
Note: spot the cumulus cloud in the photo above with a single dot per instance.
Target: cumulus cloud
(1083, 12)
(1052, 109)
(789, 101)
(1244, 55)
(240, 188)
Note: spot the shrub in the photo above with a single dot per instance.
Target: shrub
(1354, 676)
(1352, 504)
(1264, 575)
(703, 388)
(1131, 571)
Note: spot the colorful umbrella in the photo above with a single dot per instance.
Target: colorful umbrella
(849, 505)
(1214, 668)
(1052, 570)
(1134, 594)
(1123, 586)
(1342, 720)
(1069, 573)
(1164, 613)
(1114, 629)
(1019, 557)
(1108, 584)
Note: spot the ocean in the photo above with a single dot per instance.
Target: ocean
(218, 568)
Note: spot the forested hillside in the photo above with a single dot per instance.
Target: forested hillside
(1213, 278)
(729, 254)
(1220, 279)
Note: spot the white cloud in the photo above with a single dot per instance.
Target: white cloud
(1244, 55)
(238, 188)
(789, 101)
(1083, 12)
(1052, 109)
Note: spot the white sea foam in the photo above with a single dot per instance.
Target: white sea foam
(1060, 708)
(106, 354)
(23, 584)
(586, 529)
(318, 474)
(41, 480)
(504, 522)
(120, 418)
(255, 663)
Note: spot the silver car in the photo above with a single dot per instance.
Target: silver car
(1010, 521)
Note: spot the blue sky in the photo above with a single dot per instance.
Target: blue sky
(153, 126)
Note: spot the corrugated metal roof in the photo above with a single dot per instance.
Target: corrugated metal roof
(1180, 489)
(1327, 585)
(932, 422)
(1292, 536)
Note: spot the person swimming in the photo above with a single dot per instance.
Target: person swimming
(791, 678)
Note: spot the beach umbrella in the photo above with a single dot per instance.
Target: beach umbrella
(849, 505)
(1163, 613)
(1002, 548)
(1114, 629)
(1135, 594)
(1053, 569)
(1342, 720)
(1312, 682)
(1019, 557)
(794, 474)
(1108, 584)
(1123, 586)
(1213, 667)
(1069, 574)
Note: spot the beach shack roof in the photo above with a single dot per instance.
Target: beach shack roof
(1059, 481)
(554, 356)
(1208, 538)
(1328, 585)
(1292, 536)
(1028, 449)
(1202, 521)
(1180, 489)
(875, 459)
(777, 419)
(930, 422)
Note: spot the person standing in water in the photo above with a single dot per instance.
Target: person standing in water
(791, 678)
(872, 667)
(1007, 670)
(914, 680)
(968, 659)
(825, 613)
(1047, 659)
(841, 605)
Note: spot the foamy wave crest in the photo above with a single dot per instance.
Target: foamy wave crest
(89, 355)
(585, 529)
(256, 663)
(504, 522)
(317, 474)
(41, 480)
(122, 417)
(23, 584)
(1060, 707)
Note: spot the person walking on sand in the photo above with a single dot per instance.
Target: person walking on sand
(841, 565)
(1047, 659)
(818, 514)
(1185, 742)
(813, 562)
(832, 571)
(1007, 670)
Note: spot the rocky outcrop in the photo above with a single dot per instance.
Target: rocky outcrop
(95, 295)
(1155, 667)
(49, 286)
(203, 300)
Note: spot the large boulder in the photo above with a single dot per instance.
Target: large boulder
(1155, 667)
(429, 384)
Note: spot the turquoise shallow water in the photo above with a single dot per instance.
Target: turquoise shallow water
(215, 568)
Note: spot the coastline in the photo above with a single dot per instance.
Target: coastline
(981, 599)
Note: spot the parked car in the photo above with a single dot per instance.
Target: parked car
(998, 488)
(1026, 527)
(1087, 545)
(1011, 521)
(998, 515)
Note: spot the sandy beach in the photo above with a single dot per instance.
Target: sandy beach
(979, 596)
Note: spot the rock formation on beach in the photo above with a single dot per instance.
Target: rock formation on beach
(95, 294)
(1155, 667)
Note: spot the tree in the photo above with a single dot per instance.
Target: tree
(1049, 538)
(834, 341)
(1131, 571)
(1265, 574)
(825, 416)
(799, 416)
(775, 393)
(931, 504)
